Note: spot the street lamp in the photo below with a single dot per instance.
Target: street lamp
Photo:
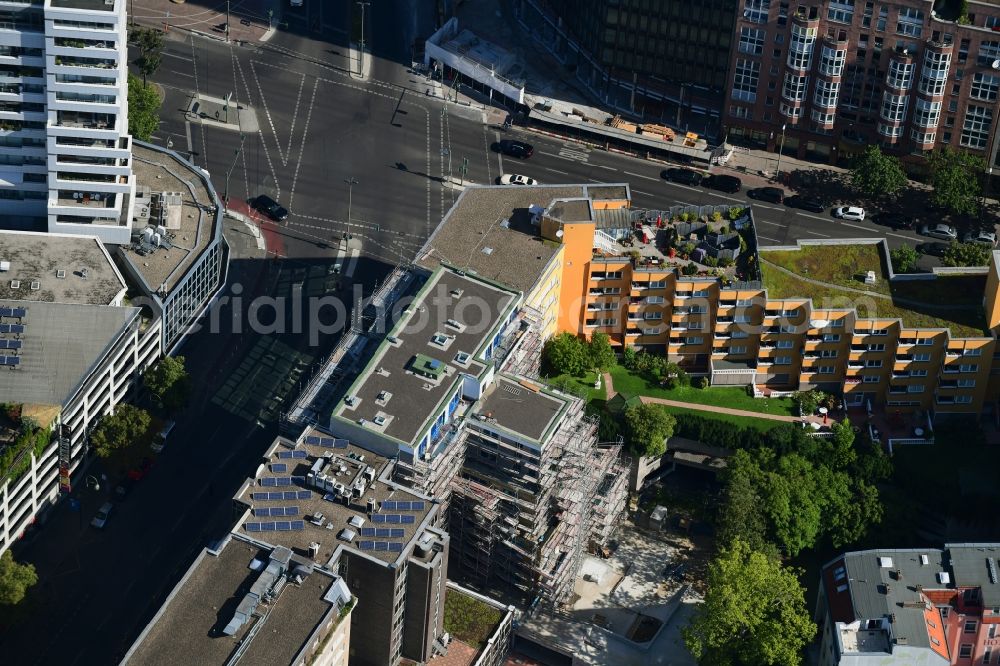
(351, 182)
(777, 168)
(361, 51)
(225, 196)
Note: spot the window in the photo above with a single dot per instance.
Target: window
(876, 347)
(752, 40)
(925, 341)
(740, 335)
(915, 388)
(837, 323)
(741, 112)
(783, 360)
(828, 353)
(841, 11)
(910, 22)
(926, 114)
(756, 10)
(789, 111)
(831, 337)
(965, 651)
(987, 653)
(742, 319)
(922, 137)
(656, 300)
(970, 628)
(825, 369)
(883, 17)
(963, 399)
(900, 74)
(894, 107)
(918, 373)
(694, 340)
(972, 352)
(800, 47)
(785, 344)
(652, 315)
(870, 379)
(873, 363)
(832, 61)
(738, 350)
(966, 383)
(826, 93)
(988, 52)
(651, 331)
(984, 87)
(934, 73)
(921, 357)
(976, 128)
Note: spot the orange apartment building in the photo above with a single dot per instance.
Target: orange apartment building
(744, 333)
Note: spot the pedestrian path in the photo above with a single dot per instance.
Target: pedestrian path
(611, 393)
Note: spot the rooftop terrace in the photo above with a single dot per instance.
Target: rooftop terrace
(189, 627)
(415, 369)
(59, 268)
(190, 226)
(834, 277)
(348, 496)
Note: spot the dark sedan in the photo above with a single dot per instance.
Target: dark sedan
(271, 208)
(895, 221)
(682, 176)
(518, 149)
(810, 204)
(723, 183)
(933, 249)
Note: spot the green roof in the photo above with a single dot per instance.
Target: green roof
(832, 276)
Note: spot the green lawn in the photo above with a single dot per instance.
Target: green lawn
(734, 397)
(582, 385)
(469, 619)
(744, 421)
(844, 266)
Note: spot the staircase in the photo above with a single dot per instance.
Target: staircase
(604, 242)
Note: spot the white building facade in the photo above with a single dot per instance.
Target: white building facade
(65, 150)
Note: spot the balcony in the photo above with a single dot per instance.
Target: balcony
(907, 342)
(904, 358)
(901, 374)
(855, 366)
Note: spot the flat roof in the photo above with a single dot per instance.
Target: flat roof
(952, 302)
(191, 228)
(972, 564)
(416, 367)
(571, 210)
(189, 626)
(521, 407)
(57, 349)
(346, 464)
(67, 269)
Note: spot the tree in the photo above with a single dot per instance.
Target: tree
(169, 381)
(143, 109)
(955, 178)
(602, 356)
(876, 174)
(120, 429)
(647, 426)
(149, 41)
(793, 504)
(740, 515)
(966, 254)
(15, 579)
(808, 401)
(904, 259)
(565, 354)
(754, 612)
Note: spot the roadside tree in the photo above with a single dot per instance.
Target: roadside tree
(876, 174)
(955, 178)
(966, 254)
(15, 579)
(904, 259)
(169, 381)
(754, 612)
(565, 354)
(647, 426)
(119, 430)
(143, 109)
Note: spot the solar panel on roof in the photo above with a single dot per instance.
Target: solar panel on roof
(397, 533)
(378, 517)
(408, 520)
(285, 454)
(19, 312)
(395, 547)
(253, 527)
(304, 494)
(368, 531)
(326, 441)
(279, 467)
(268, 481)
(262, 511)
(312, 439)
(17, 328)
(299, 454)
(366, 545)
(394, 518)
(5, 312)
(267, 527)
(340, 443)
(283, 525)
(298, 524)
(298, 479)
(381, 545)
(282, 481)
(417, 506)
(291, 510)
(388, 505)
(260, 497)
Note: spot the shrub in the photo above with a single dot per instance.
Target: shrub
(711, 262)
(735, 212)
(700, 382)
(717, 433)
(725, 262)
(717, 216)
(690, 269)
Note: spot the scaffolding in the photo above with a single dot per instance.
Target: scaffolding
(524, 355)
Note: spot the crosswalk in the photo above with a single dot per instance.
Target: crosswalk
(574, 151)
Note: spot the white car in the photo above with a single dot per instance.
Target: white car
(942, 231)
(855, 213)
(983, 237)
(101, 519)
(516, 179)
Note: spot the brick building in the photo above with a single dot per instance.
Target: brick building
(828, 78)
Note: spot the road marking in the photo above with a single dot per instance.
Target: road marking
(815, 233)
(757, 205)
(556, 171)
(573, 153)
(767, 238)
(722, 196)
(775, 224)
(648, 194)
(639, 175)
(174, 55)
(174, 71)
(877, 232)
(815, 217)
(605, 166)
(349, 271)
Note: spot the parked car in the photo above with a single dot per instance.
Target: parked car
(942, 231)
(982, 237)
(854, 213)
(811, 204)
(160, 441)
(139, 473)
(124, 489)
(682, 176)
(516, 179)
(772, 194)
(101, 519)
(271, 208)
(723, 183)
(895, 221)
(934, 248)
(518, 149)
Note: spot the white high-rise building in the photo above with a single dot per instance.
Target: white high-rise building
(65, 150)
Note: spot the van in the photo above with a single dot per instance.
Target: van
(161, 438)
(101, 519)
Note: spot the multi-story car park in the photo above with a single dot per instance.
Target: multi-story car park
(330, 561)
(65, 150)
(827, 78)
(83, 345)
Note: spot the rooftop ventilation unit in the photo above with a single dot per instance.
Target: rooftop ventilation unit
(991, 568)
(455, 293)
(15, 284)
(36, 285)
(885, 562)
(380, 420)
(439, 339)
(351, 400)
(4, 266)
(923, 560)
(84, 273)
(61, 274)
(943, 577)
